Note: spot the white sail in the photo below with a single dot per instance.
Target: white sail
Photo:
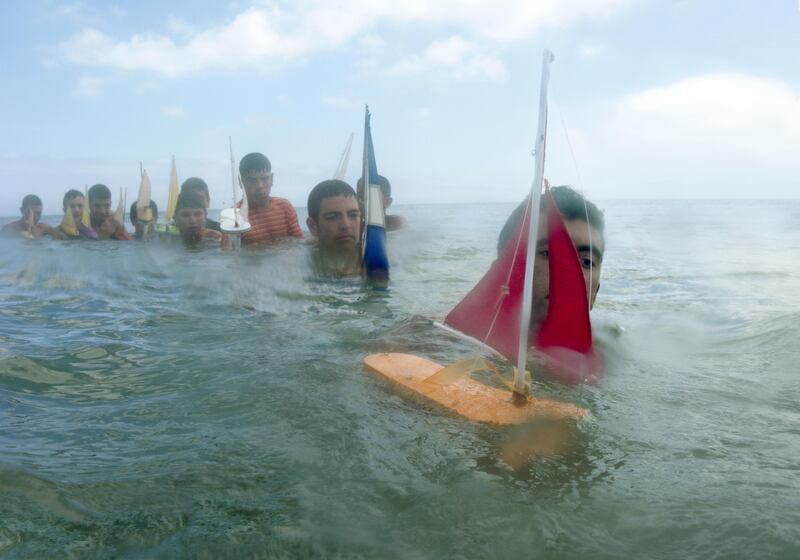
(344, 160)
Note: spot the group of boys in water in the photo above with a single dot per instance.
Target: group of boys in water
(334, 221)
(334, 217)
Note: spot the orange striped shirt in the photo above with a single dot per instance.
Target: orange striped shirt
(277, 221)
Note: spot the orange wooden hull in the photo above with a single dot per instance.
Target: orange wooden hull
(466, 397)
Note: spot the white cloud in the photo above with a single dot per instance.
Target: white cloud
(719, 134)
(273, 34)
(89, 86)
(372, 42)
(513, 20)
(736, 112)
(249, 37)
(76, 13)
(449, 52)
(79, 13)
(457, 56)
(172, 112)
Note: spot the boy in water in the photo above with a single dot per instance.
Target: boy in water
(195, 184)
(28, 225)
(335, 222)
(271, 218)
(72, 227)
(143, 230)
(100, 215)
(190, 218)
(584, 223)
(393, 221)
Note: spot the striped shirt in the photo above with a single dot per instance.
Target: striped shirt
(277, 221)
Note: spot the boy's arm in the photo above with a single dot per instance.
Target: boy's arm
(294, 225)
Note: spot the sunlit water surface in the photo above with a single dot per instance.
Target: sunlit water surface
(162, 403)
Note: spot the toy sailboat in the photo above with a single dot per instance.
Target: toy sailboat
(375, 263)
(497, 313)
(233, 221)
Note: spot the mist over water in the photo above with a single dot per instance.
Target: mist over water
(162, 403)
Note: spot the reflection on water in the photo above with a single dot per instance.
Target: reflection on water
(156, 403)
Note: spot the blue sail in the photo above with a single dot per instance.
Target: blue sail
(373, 237)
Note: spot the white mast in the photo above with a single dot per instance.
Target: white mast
(233, 182)
(520, 388)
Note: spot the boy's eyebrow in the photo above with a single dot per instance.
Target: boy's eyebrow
(590, 249)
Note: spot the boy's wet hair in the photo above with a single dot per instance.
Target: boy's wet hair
(190, 199)
(31, 200)
(572, 205)
(72, 193)
(326, 189)
(134, 213)
(99, 191)
(254, 162)
(195, 184)
(383, 183)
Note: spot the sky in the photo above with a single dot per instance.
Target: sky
(648, 99)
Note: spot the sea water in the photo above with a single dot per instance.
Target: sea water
(156, 402)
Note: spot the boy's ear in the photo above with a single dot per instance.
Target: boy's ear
(312, 226)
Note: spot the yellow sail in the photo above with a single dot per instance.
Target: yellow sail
(86, 220)
(119, 213)
(143, 211)
(174, 191)
(68, 223)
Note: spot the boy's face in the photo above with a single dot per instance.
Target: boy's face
(34, 211)
(75, 207)
(588, 244)
(338, 223)
(99, 210)
(257, 185)
(191, 222)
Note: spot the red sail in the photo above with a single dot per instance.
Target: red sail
(491, 310)
(567, 323)
(565, 335)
